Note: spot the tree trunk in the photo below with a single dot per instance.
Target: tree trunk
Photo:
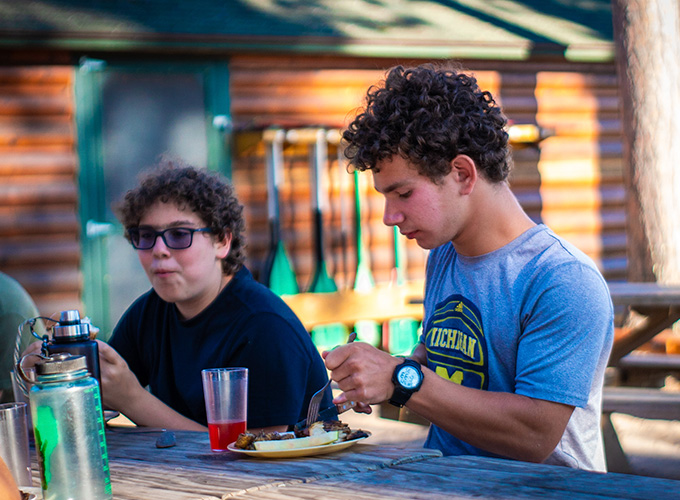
(647, 34)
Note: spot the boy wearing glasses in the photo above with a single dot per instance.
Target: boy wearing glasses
(204, 310)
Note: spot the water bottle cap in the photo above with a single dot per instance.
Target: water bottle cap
(70, 326)
(61, 362)
(70, 317)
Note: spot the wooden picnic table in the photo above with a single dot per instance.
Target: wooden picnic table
(189, 470)
(660, 306)
(465, 477)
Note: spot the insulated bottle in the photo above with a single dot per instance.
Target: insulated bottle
(72, 335)
(69, 429)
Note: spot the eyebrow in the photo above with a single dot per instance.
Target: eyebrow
(392, 187)
(177, 223)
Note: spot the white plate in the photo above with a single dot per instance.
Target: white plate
(299, 452)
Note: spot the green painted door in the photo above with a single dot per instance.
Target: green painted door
(127, 116)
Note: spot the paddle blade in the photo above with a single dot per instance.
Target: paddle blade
(368, 331)
(363, 282)
(399, 257)
(325, 337)
(282, 278)
(322, 282)
(402, 336)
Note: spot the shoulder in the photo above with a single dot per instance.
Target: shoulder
(14, 298)
(554, 253)
(258, 301)
(564, 273)
(255, 314)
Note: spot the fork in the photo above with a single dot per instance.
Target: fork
(315, 401)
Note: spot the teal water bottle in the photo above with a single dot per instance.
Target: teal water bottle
(69, 430)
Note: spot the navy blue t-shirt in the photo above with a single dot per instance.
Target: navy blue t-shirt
(247, 325)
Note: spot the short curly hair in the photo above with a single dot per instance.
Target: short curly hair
(428, 115)
(206, 193)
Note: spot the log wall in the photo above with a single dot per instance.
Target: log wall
(572, 181)
(38, 185)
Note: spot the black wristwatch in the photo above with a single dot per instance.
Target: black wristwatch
(407, 379)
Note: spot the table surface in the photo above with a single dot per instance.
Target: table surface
(189, 470)
(474, 478)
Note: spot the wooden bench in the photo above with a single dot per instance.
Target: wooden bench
(638, 402)
(647, 369)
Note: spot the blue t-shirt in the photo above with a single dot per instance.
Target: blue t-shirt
(533, 318)
(247, 325)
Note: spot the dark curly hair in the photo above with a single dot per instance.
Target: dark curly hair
(428, 115)
(206, 193)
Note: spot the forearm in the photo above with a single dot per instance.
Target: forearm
(146, 410)
(506, 424)
(122, 391)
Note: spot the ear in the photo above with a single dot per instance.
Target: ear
(464, 172)
(223, 246)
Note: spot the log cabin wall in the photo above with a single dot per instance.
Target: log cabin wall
(38, 184)
(298, 93)
(572, 180)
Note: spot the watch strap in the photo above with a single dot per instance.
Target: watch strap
(400, 396)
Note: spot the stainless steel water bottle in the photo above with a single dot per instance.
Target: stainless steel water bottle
(72, 335)
(69, 429)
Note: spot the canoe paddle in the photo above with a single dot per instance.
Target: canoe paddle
(363, 281)
(343, 179)
(400, 335)
(329, 335)
(321, 282)
(367, 330)
(278, 273)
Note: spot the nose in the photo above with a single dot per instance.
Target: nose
(159, 246)
(392, 216)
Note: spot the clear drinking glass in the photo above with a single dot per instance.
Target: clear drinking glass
(226, 404)
(14, 441)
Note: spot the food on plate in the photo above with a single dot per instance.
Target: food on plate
(245, 440)
(303, 442)
(318, 434)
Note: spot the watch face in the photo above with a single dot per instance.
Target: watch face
(408, 377)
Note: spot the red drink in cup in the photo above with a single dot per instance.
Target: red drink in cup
(223, 434)
(226, 402)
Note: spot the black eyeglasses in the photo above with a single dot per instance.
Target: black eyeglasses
(176, 238)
